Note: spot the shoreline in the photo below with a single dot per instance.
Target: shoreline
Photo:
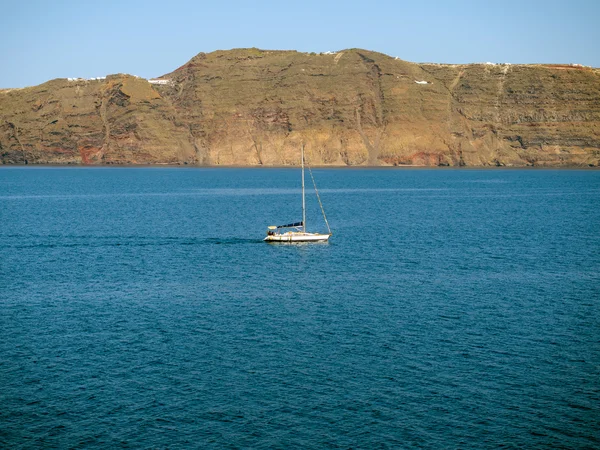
(193, 166)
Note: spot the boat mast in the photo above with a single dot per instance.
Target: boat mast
(303, 199)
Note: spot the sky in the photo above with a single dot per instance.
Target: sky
(42, 40)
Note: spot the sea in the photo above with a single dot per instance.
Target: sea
(451, 308)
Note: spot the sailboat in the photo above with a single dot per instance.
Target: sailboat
(296, 232)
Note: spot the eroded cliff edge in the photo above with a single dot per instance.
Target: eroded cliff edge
(252, 107)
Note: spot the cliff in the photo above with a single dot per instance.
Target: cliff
(354, 107)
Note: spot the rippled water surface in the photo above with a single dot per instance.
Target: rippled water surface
(451, 309)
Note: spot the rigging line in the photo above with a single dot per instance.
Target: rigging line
(319, 198)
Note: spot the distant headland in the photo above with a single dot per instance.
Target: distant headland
(252, 107)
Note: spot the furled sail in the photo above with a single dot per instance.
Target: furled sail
(290, 225)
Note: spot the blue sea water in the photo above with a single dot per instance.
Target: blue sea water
(139, 308)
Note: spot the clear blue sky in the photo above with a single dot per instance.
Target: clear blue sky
(41, 40)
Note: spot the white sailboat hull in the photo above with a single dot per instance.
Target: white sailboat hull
(297, 236)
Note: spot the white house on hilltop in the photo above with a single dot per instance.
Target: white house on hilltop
(159, 81)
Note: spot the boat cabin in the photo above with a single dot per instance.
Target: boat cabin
(273, 230)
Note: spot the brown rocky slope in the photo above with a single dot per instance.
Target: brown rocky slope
(354, 107)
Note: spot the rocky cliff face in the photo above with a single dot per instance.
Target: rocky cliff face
(354, 107)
